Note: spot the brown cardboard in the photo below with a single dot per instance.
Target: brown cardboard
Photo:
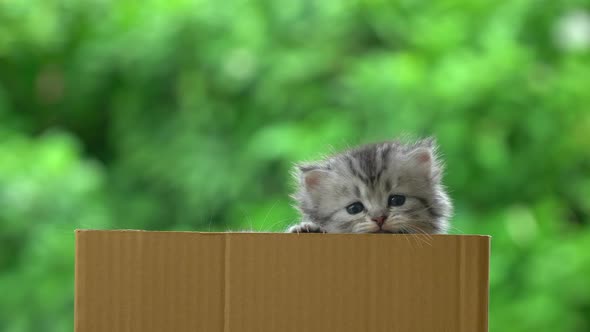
(136, 281)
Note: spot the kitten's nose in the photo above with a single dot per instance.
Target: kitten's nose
(379, 220)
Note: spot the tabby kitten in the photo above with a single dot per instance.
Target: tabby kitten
(390, 187)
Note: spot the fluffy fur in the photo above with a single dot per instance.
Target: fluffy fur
(371, 175)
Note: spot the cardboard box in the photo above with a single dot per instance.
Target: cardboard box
(136, 281)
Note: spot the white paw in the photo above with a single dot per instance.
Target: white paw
(306, 227)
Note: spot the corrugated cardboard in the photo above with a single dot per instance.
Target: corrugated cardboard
(137, 281)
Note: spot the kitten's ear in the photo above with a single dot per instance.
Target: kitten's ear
(429, 142)
(312, 177)
(422, 160)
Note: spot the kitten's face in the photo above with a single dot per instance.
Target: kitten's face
(380, 188)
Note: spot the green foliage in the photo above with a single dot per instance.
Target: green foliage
(188, 114)
(46, 190)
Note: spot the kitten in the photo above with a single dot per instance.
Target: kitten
(390, 187)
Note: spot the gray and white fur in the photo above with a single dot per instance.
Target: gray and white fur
(389, 187)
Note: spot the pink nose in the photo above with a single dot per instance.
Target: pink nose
(379, 220)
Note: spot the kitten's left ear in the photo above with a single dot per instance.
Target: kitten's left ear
(423, 159)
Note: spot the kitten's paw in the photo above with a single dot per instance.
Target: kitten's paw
(306, 227)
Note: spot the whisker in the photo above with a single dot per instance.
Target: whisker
(421, 234)
(268, 213)
(409, 230)
(277, 222)
(405, 230)
(456, 228)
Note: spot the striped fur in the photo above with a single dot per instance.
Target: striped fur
(370, 174)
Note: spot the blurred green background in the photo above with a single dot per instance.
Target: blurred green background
(188, 115)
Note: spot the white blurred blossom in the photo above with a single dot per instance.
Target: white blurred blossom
(240, 64)
(572, 31)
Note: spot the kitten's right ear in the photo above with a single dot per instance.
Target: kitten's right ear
(312, 176)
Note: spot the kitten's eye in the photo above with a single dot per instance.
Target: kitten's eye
(355, 208)
(397, 200)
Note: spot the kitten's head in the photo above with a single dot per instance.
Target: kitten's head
(389, 187)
